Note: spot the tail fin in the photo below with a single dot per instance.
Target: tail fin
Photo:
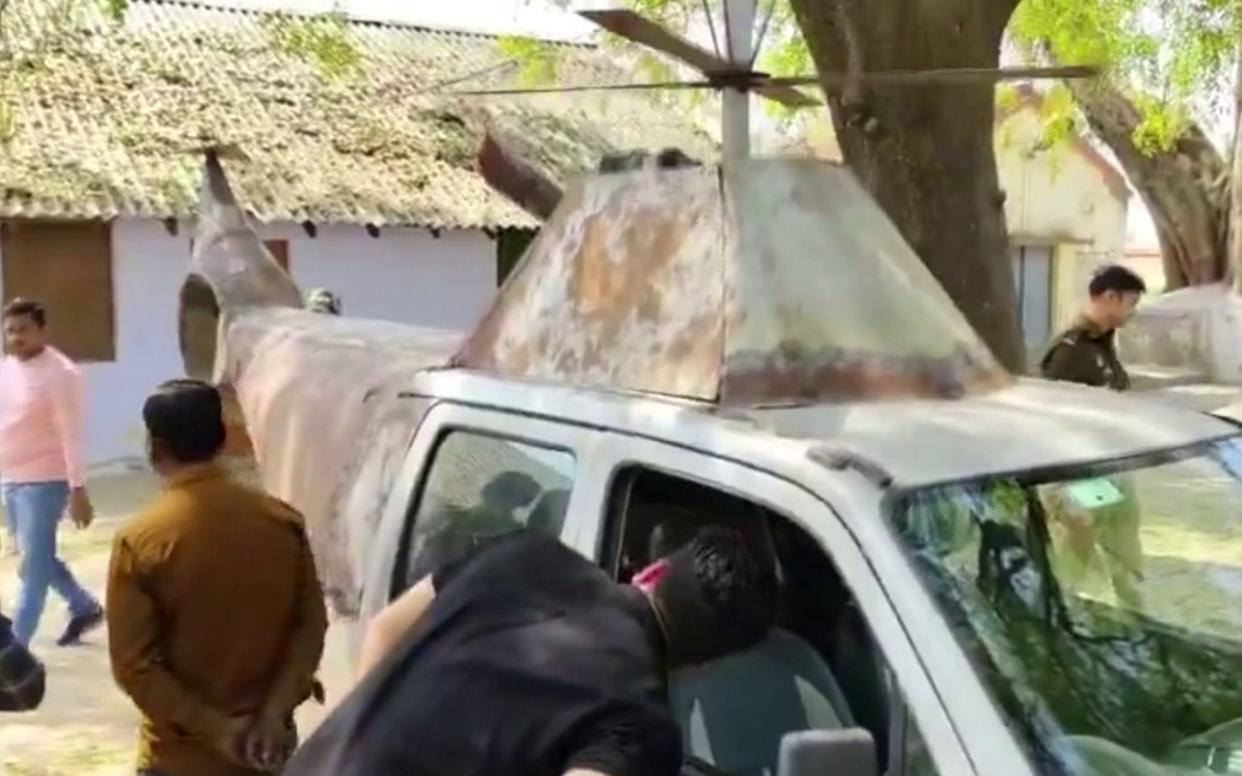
(230, 271)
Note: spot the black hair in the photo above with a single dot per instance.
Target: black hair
(29, 308)
(1115, 278)
(187, 417)
(511, 489)
(716, 597)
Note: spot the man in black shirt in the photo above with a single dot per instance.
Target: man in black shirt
(526, 659)
(1086, 352)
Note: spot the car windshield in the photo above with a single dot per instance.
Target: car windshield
(1102, 606)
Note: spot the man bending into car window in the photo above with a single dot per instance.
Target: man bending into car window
(526, 658)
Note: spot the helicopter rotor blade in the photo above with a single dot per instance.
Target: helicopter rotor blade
(785, 90)
(945, 75)
(641, 30)
(578, 88)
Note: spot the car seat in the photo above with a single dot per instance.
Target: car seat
(735, 711)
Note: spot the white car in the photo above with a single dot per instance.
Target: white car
(1026, 578)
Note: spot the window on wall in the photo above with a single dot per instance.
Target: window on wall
(68, 267)
(280, 252)
(511, 245)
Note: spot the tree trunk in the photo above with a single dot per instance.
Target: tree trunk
(926, 153)
(1181, 187)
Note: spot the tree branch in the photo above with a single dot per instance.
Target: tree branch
(1178, 185)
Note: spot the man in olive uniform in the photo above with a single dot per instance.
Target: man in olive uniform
(1087, 353)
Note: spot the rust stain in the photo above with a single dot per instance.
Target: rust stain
(785, 283)
(609, 284)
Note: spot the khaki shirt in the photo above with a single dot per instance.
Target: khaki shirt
(1086, 354)
(214, 611)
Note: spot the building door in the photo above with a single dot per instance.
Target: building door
(1032, 272)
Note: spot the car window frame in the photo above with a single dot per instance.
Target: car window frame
(386, 564)
(817, 517)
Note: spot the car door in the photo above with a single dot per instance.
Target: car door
(471, 473)
(898, 704)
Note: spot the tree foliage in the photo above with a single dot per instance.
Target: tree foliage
(784, 52)
(1168, 108)
(321, 39)
(1175, 59)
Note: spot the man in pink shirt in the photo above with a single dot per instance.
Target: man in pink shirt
(41, 467)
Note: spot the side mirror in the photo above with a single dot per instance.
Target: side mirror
(828, 753)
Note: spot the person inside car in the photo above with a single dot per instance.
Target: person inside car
(525, 657)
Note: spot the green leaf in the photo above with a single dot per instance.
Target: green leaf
(1175, 59)
(115, 9)
(324, 40)
(537, 59)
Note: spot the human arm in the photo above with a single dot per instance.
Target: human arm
(388, 627)
(66, 396)
(1070, 361)
(22, 676)
(293, 683)
(137, 662)
(396, 619)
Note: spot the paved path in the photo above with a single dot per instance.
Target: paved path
(86, 726)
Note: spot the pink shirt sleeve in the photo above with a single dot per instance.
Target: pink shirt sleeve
(67, 412)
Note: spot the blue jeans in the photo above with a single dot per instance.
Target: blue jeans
(35, 510)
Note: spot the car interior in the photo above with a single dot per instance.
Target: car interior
(818, 669)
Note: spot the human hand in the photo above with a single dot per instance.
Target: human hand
(80, 509)
(231, 742)
(269, 743)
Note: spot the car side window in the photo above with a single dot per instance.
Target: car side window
(818, 669)
(480, 486)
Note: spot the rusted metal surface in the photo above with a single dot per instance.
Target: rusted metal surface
(617, 291)
(789, 287)
(518, 180)
(311, 388)
(786, 284)
(826, 302)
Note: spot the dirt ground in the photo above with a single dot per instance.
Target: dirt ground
(86, 726)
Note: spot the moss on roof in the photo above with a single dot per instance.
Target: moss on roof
(108, 119)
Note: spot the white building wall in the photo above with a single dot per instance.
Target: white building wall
(1060, 198)
(404, 275)
(1058, 195)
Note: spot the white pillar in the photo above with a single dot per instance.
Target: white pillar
(735, 129)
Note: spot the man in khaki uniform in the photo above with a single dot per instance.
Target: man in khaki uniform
(1086, 353)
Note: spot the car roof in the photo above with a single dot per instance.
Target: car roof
(1031, 425)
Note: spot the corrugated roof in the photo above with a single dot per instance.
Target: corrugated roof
(111, 120)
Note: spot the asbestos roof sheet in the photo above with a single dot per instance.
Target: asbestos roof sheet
(106, 119)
